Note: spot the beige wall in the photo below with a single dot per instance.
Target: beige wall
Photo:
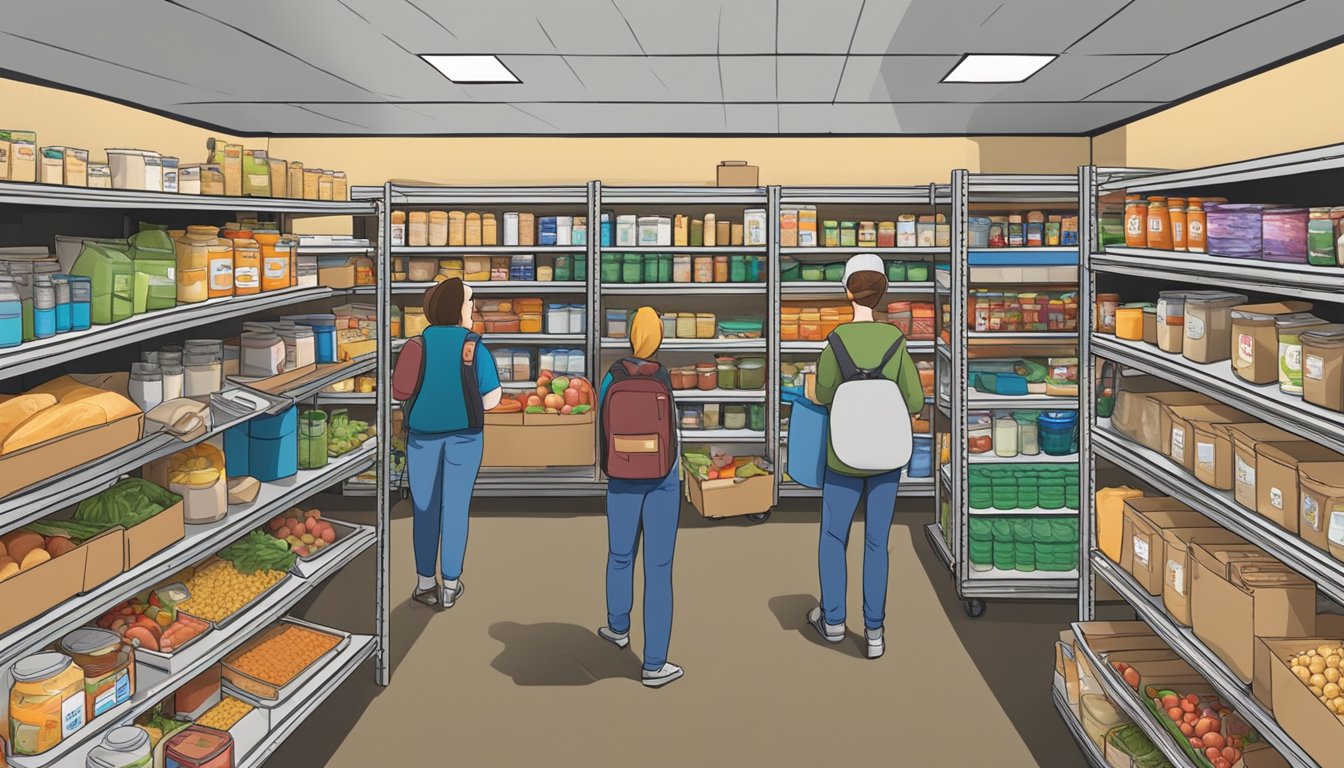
(1285, 109)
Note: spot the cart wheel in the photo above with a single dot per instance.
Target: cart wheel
(975, 607)
(759, 517)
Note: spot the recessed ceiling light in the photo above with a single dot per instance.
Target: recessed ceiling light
(995, 68)
(471, 69)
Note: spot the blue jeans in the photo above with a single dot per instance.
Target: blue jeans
(840, 496)
(654, 507)
(442, 471)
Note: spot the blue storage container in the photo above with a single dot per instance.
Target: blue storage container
(808, 434)
(1057, 432)
(236, 451)
(273, 445)
(921, 458)
(283, 423)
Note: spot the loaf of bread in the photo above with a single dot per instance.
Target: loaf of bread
(17, 410)
(114, 405)
(53, 422)
(58, 387)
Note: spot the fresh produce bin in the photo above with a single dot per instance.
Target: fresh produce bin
(730, 497)
(270, 667)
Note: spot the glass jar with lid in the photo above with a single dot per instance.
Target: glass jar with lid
(711, 416)
(46, 702)
(108, 663)
(706, 376)
(146, 385)
(193, 257)
(125, 747)
(11, 313)
(246, 265)
(1006, 435)
(727, 367)
(1028, 443)
(275, 260)
(313, 439)
(735, 416)
(203, 373)
(44, 307)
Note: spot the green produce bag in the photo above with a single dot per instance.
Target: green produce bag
(980, 528)
(1003, 530)
(1064, 529)
(1005, 556)
(1028, 499)
(1022, 530)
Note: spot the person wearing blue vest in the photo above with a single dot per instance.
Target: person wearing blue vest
(446, 380)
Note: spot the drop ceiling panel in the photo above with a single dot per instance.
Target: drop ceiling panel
(977, 26)
(916, 78)
(806, 26)
(809, 78)
(1307, 24)
(750, 26)
(1167, 26)
(646, 118)
(748, 78)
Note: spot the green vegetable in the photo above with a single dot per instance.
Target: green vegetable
(697, 459)
(1131, 740)
(534, 409)
(75, 529)
(751, 470)
(560, 384)
(580, 409)
(259, 551)
(128, 503)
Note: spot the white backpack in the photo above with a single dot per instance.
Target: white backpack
(869, 424)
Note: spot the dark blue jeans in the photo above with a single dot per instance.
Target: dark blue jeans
(442, 471)
(840, 497)
(653, 508)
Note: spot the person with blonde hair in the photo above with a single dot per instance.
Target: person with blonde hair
(639, 455)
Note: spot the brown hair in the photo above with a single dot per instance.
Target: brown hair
(868, 288)
(443, 302)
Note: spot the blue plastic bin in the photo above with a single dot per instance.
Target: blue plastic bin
(236, 451)
(808, 433)
(921, 458)
(273, 445)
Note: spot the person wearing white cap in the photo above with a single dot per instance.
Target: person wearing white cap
(870, 385)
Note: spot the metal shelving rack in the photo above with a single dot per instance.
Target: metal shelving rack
(1282, 174)
(51, 494)
(953, 369)
(747, 298)
(928, 198)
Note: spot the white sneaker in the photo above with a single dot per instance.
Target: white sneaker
(876, 645)
(620, 640)
(660, 677)
(831, 633)
(450, 596)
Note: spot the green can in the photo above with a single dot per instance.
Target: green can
(664, 267)
(896, 272)
(580, 269)
(611, 268)
(849, 234)
(650, 267)
(917, 271)
(632, 268)
(737, 269)
(563, 267)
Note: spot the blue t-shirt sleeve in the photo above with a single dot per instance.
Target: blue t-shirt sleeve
(602, 389)
(487, 376)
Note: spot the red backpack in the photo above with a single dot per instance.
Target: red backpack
(639, 425)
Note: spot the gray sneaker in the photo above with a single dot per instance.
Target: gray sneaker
(620, 640)
(659, 677)
(450, 597)
(876, 645)
(428, 597)
(830, 633)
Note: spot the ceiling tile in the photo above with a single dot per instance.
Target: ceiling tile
(805, 118)
(808, 27)
(809, 78)
(916, 78)
(750, 26)
(748, 78)
(647, 119)
(977, 26)
(752, 118)
(700, 26)
(1183, 23)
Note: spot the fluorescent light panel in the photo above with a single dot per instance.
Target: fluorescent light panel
(995, 68)
(471, 69)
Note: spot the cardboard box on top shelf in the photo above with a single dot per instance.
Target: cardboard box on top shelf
(1329, 631)
(1138, 409)
(730, 497)
(1301, 715)
(1142, 548)
(1176, 572)
(1215, 449)
(1320, 491)
(29, 466)
(1238, 593)
(736, 173)
(533, 440)
(31, 593)
(1278, 488)
(18, 156)
(1180, 421)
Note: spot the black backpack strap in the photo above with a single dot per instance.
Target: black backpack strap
(848, 370)
(471, 389)
(891, 352)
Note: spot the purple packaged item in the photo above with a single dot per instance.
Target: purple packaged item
(1233, 229)
(1284, 235)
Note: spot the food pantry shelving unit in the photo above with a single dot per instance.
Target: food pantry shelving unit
(953, 287)
(1294, 177)
(865, 203)
(229, 408)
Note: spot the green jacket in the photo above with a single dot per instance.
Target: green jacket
(867, 343)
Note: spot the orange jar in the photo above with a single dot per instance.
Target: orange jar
(788, 323)
(1136, 221)
(1159, 224)
(246, 263)
(1195, 236)
(1176, 210)
(830, 320)
(275, 260)
(809, 325)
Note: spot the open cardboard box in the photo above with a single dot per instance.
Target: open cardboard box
(1179, 423)
(730, 497)
(31, 593)
(1138, 409)
(1176, 573)
(1301, 715)
(539, 440)
(1142, 546)
(37, 463)
(1329, 629)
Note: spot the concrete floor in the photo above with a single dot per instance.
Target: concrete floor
(514, 674)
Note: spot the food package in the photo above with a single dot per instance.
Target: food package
(17, 410)
(264, 666)
(53, 422)
(243, 490)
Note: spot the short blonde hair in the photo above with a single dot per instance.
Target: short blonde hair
(646, 332)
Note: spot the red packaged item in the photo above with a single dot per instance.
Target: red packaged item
(197, 746)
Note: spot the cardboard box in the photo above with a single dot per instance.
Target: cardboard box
(29, 466)
(1301, 715)
(730, 497)
(1229, 610)
(1138, 408)
(1329, 631)
(31, 593)
(539, 440)
(1176, 572)
(1277, 484)
(1142, 548)
(1178, 426)
(1320, 484)
(1215, 452)
(20, 150)
(736, 173)
(154, 535)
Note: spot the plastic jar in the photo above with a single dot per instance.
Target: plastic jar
(1058, 432)
(1028, 443)
(1159, 224)
(1006, 436)
(1176, 213)
(146, 385)
(313, 439)
(193, 254)
(46, 702)
(734, 416)
(1136, 221)
(276, 259)
(1196, 230)
(246, 265)
(978, 232)
(886, 234)
(1289, 331)
(1107, 304)
(1129, 322)
(849, 234)
(1208, 325)
(262, 354)
(203, 373)
(108, 663)
(81, 296)
(867, 236)
(124, 747)
(11, 313)
(1171, 320)
(751, 373)
(62, 285)
(711, 416)
(174, 381)
(830, 234)
(300, 346)
(681, 268)
(702, 270)
(44, 307)
(199, 747)
(728, 373)
(706, 376)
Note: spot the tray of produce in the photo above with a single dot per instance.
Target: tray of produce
(345, 434)
(153, 620)
(225, 714)
(306, 532)
(240, 575)
(277, 662)
(1209, 732)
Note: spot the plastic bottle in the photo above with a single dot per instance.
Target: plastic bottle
(11, 313)
(81, 296)
(63, 318)
(44, 307)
